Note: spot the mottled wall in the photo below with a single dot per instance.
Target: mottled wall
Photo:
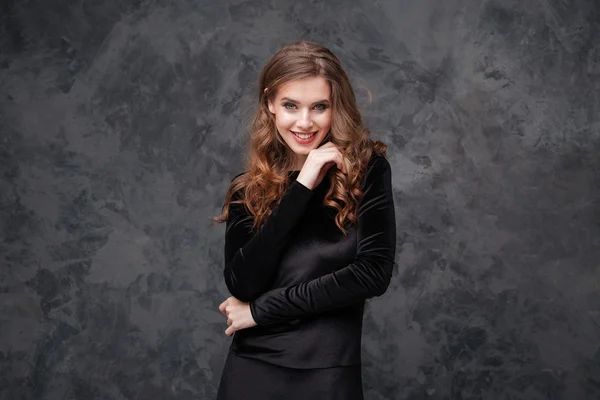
(122, 124)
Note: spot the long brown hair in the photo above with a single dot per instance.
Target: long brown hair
(266, 179)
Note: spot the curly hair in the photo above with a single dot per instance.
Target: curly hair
(263, 184)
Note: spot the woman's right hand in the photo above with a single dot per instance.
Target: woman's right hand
(318, 162)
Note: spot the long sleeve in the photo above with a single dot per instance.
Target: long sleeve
(367, 276)
(251, 257)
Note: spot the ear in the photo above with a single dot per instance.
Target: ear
(269, 103)
(271, 107)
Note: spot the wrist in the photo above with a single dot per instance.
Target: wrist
(302, 180)
(253, 312)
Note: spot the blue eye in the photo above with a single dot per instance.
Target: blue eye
(292, 106)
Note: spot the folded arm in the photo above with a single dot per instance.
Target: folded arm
(367, 276)
(251, 256)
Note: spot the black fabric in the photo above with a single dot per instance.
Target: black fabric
(306, 282)
(251, 258)
(249, 379)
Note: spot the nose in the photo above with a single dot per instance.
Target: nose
(305, 122)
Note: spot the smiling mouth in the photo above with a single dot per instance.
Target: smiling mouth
(304, 135)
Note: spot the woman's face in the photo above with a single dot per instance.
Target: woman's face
(302, 111)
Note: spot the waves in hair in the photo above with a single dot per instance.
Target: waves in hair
(261, 187)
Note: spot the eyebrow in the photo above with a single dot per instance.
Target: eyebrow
(296, 101)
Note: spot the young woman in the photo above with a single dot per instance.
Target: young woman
(310, 235)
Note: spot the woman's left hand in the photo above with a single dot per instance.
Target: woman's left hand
(238, 315)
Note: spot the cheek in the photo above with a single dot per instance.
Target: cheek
(324, 120)
(284, 120)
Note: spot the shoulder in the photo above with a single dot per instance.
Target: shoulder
(378, 159)
(377, 165)
(378, 174)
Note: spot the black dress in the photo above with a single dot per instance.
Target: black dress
(306, 284)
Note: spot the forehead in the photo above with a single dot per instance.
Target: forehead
(309, 89)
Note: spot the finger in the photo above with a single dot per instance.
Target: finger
(222, 307)
(332, 152)
(328, 155)
(229, 322)
(326, 145)
(337, 159)
(341, 163)
(327, 166)
(324, 169)
(229, 331)
(331, 145)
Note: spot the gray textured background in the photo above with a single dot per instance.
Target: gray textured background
(121, 126)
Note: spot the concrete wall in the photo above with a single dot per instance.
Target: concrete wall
(122, 123)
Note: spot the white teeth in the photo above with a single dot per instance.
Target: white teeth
(303, 136)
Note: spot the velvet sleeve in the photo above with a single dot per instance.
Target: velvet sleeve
(251, 256)
(367, 276)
